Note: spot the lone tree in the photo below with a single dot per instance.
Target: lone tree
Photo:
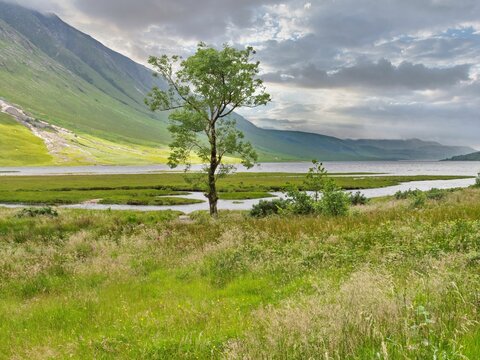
(202, 92)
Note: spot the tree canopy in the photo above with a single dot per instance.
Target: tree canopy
(202, 91)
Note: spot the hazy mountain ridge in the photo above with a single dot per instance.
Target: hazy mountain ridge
(468, 157)
(69, 79)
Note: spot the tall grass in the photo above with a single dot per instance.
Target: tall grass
(388, 281)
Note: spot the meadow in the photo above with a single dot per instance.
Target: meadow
(151, 189)
(388, 281)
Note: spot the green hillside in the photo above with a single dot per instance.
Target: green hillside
(66, 78)
(469, 157)
(18, 146)
(52, 93)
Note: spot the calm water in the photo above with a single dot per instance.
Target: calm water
(386, 167)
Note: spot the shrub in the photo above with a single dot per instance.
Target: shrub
(477, 180)
(436, 194)
(315, 179)
(268, 207)
(402, 195)
(419, 199)
(34, 212)
(300, 203)
(334, 201)
(358, 199)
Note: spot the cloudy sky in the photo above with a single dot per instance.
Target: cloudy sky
(348, 68)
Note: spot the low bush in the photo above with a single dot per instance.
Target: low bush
(34, 212)
(436, 194)
(419, 199)
(268, 207)
(402, 195)
(334, 201)
(300, 203)
(477, 180)
(358, 199)
(327, 198)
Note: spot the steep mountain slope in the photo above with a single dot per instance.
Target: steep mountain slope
(66, 78)
(107, 70)
(62, 89)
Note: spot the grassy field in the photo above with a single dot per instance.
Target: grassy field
(145, 189)
(387, 282)
(19, 147)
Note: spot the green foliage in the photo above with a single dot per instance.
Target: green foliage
(202, 93)
(206, 89)
(300, 203)
(419, 199)
(358, 198)
(334, 201)
(269, 207)
(436, 194)
(34, 212)
(402, 195)
(315, 178)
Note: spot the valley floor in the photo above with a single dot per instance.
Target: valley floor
(157, 189)
(387, 281)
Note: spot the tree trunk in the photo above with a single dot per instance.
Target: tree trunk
(212, 191)
(212, 186)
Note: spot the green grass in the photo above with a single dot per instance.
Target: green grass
(387, 281)
(145, 189)
(19, 147)
(116, 196)
(248, 182)
(147, 199)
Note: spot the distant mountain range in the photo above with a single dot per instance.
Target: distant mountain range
(468, 157)
(93, 97)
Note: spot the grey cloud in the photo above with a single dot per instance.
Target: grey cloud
(342, 31)
(453, 123)
(270, 123)
(40, 5)
(381, 74)
(189, 18)
(399, 112)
